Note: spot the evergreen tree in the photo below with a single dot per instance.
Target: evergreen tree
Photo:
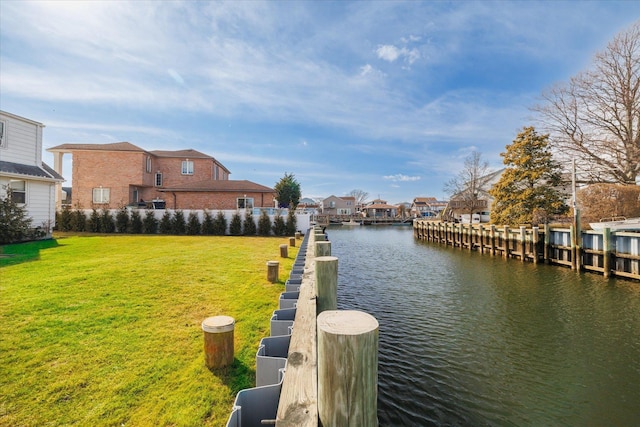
(15, 225)
(178, 224)
(107, 223)
(193, 224)
(288, 191)
(249, 224)
(220, 224)
(122, 220)
(279, 227)
(529, 183)
(78, 220)
(235, 228)
(136, 222)
(93, 225)
(264, 224)
(292, 222)
(208, 227)
(63, 219)
(165, 226)
(150, 223)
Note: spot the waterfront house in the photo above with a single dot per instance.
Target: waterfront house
(334, 205)
(426, 207)
(110, 176)
(23, 174)
(380, 209)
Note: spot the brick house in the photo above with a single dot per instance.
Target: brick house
(23, 174)
(110, 176)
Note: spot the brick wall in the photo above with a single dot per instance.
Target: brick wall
(207, 200)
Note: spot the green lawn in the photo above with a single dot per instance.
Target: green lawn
(105, 330)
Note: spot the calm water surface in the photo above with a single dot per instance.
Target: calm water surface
(471, 340)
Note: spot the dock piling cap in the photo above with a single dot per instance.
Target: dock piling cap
(218, 324)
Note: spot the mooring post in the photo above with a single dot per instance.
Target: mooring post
(492, 239)
(326, 272)
(523, 242)
(470, 237)
(218, 341)
(481, 235)
(292, 242)
(284, 252)
(347, 369)
(322, 248)
(606, 252)
(535, 239)
(547, 244)
(272, 271)
(572, 239)
(506, 239)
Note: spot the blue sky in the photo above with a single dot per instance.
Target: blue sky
(386, 97)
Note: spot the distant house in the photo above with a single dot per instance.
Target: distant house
(477, 209)
(30, 181)
(307, 206)
(426, 207)
(334, 205)
(110, 176)
(379, 208)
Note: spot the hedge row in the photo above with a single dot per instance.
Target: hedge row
(173, 222)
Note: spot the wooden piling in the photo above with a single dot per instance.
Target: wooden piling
(272, 271)
(292, 242)
(218, 341)
(326, 273)
(347, 369)
(323, 248)
(606, 252)
(534, 243)
(284, 251)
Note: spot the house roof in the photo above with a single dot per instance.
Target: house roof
(221, 186)
(29, 171)
(15, 116)
(115, 146)
(418, 200)
(380, 206)
(188, 153)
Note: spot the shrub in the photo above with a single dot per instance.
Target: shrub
(193, 224)
(136, 222)
(165, 225)
(235, 228)
(78, 220)
(178, 224)
(264, 224)
(107, 223)
(292, 222)
(220, 224)
(207, 224)
(122, 220)
(249, 224)
(14, 224)
(279, 227)
(150, 223)
(63, 219)
(94, 222)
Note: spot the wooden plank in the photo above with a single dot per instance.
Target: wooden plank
(298, 405)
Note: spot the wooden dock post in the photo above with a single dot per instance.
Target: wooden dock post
(284, 251)
(272, 271)
(492, 239)
(326, 273)
(547, 244)
(347, 369)
(523, 243)
(292, 242)
(482, 240)
(470, 238)
(505, 252)
(323, 248)
(218, 341)
(572, 241)
(606, 252)
(535, 239)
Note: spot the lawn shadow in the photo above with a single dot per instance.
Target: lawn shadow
(17, 253)
(237, 376)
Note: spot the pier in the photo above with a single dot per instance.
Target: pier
(608, 253)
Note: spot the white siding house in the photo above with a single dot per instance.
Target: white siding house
(32, 182)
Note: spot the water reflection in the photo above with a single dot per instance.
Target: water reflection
(469, 339)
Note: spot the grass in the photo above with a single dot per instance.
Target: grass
(105, 330)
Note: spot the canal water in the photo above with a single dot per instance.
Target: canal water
(472, 340)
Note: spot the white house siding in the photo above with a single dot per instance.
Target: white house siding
(23, 141)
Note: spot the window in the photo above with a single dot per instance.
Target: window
(18, 191)
(187, 167)
(245, 203)
(332, 204)
(3, 138)
(158, 179)
(101, 195)
(148, 164)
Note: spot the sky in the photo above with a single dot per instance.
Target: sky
(387, 97)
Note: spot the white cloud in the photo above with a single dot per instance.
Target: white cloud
(401, 178)
(388, 52)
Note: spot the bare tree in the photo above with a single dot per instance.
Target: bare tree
(595, 118)
(467, 188)
(360, 196)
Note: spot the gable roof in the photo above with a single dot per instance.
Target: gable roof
(221, 186)
(115, 146)
(29, 171)
(188, 153)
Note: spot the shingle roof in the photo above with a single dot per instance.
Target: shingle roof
(222, 185)
(189, 153)
(115, 146)
(29, 171)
